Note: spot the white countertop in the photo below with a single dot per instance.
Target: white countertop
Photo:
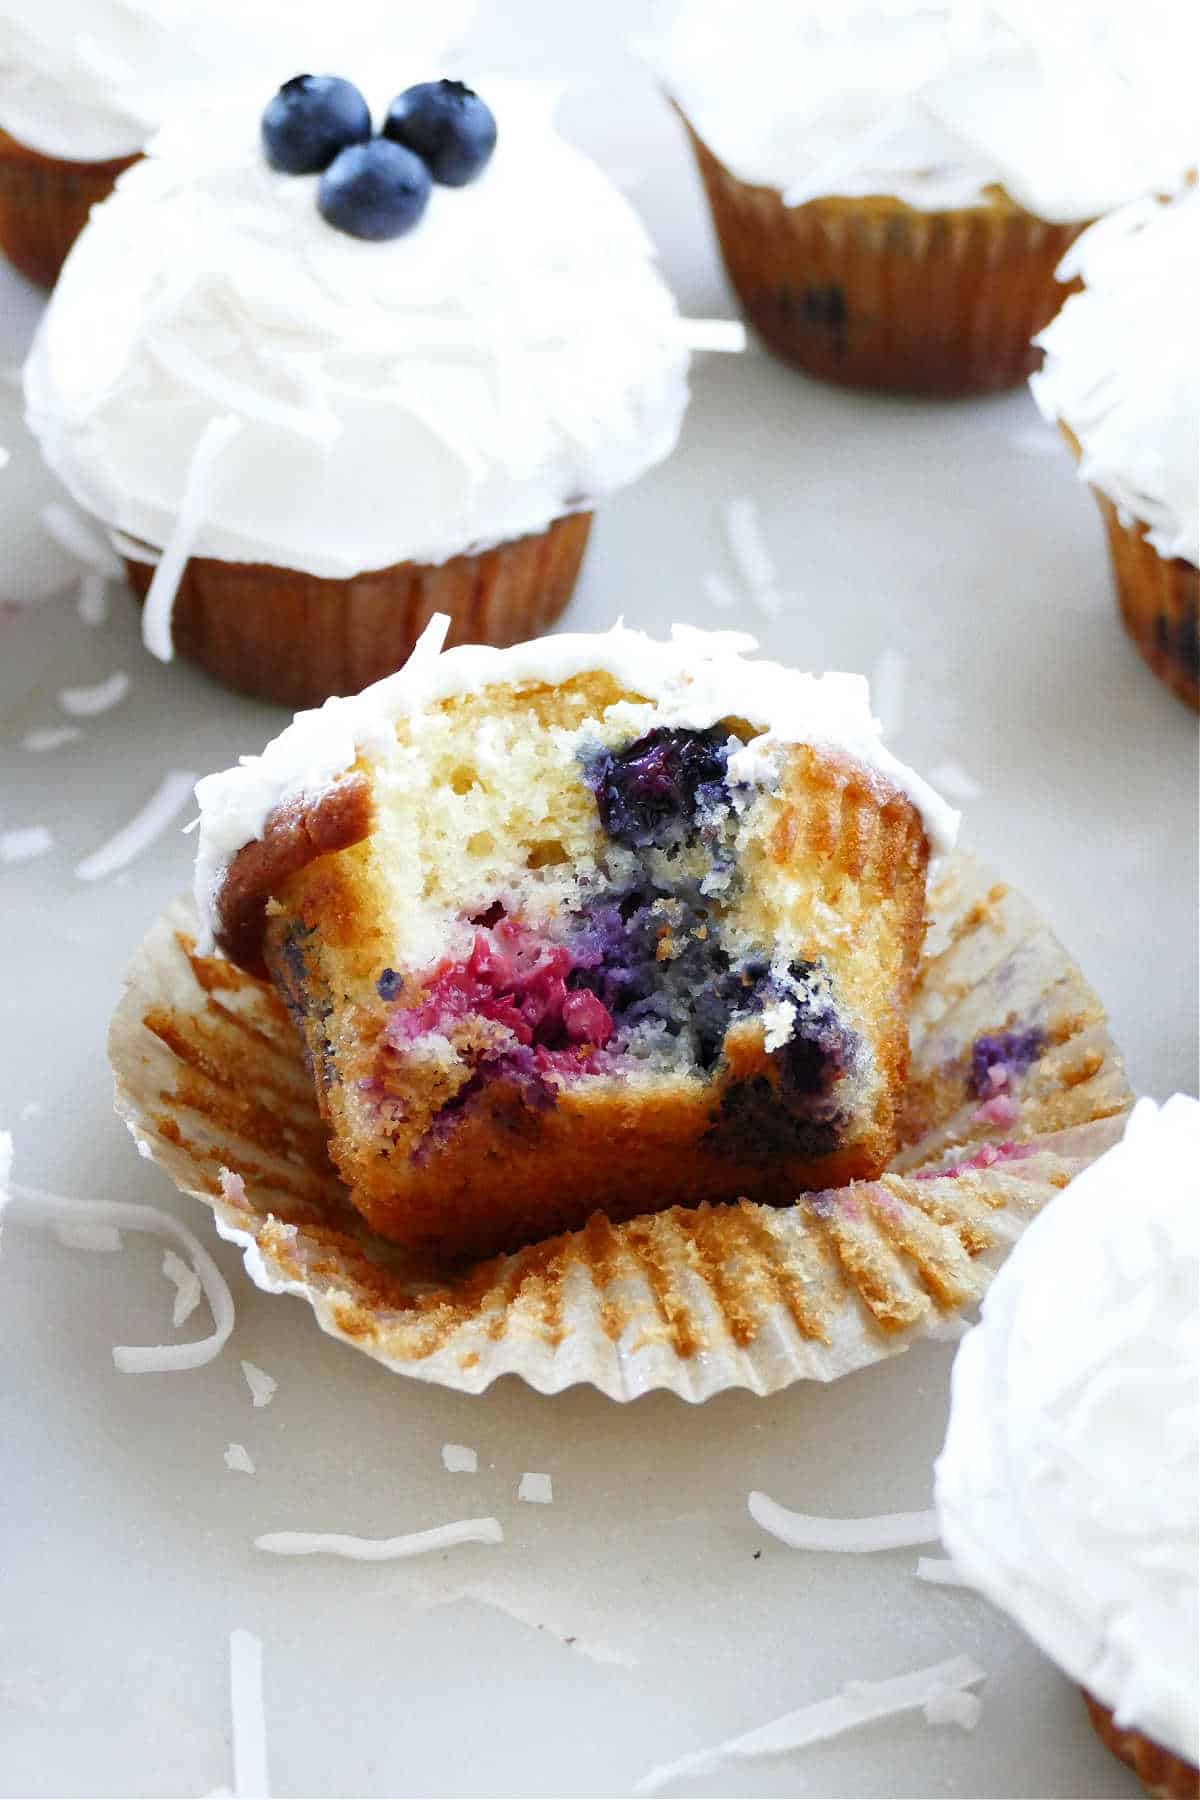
(947, 550)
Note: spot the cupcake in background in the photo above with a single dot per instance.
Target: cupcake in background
(1122, 378)
(315, 409)
(893, 185)
(84, 85)
(1068, 1489)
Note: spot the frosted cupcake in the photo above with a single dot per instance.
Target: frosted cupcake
(894, 184)
(84, 85)
(315, 408)
(1122, 377)
(1069, 1486)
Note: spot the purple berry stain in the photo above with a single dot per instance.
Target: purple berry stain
(997, 1057)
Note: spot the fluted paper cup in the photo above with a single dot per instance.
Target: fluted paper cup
(1015, 1087)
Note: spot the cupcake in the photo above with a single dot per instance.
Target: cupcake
(1068, 1489)
(315, 408)
(1122, 378)
(893, 185)
(596, 923)
(83, 87)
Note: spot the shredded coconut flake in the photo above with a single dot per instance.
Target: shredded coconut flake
(941, 1572)
(93, 597)
(460, 1459)
(251, 1780)
(357, 1549)
(888, 682)
(52, 738)
(30, 1206)
(951, 778)
(187, 1287)
(171, 793)
(193, 508)
(721, 335)
(90, 702)
(239, 1459)
(804, 1531)
(23, 845)
(719, 591)
(262, 1386)
(858, 1703)
(68, 527)
(953, 1706)
(538, 1488)
(102, 1238)
(748, 546)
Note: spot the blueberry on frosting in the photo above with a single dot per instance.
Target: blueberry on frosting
(310, 120)
(448, 126)
(377, 190)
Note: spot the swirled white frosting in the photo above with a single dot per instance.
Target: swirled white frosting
(1069, 1485)
(1122, 366)
(94, 79)
(511, 359)
(1071, 108)
(695, 679)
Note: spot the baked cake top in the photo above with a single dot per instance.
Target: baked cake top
(694, 679)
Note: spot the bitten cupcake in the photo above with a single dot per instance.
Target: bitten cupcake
(596, 923)
(1069, 1486)
(894, 184)
(84, 85)
(1122, 378)
(326, 371)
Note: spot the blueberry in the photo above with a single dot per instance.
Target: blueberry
(376, 190)
(310, 119)
(447, 125)
(653, 791)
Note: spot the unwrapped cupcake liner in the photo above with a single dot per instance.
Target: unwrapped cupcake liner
(1164, 1775)
(44, 205)
(293, 638)
(874, 293)
(1016, 1086)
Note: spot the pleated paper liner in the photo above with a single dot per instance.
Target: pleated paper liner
(1164, 1775)
(210, 1080)
(44, 205)
(293, 638)
(874, 293)
(1159, 596)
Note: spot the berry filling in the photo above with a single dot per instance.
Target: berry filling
(998, 1057)
(637, 975)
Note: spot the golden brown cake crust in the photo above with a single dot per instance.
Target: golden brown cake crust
(1164, 1775)
(294, 836)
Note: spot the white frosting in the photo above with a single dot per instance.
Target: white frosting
(1122, 366)
(511, 359)
(1071, 108)
(695, 679)
(94, 79)
(1069, 1486)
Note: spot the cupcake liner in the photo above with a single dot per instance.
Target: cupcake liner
(211, 1081)
(1164, 1775)
(874, 293)
(44, 205)
(281, 635)
(1159, 598)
